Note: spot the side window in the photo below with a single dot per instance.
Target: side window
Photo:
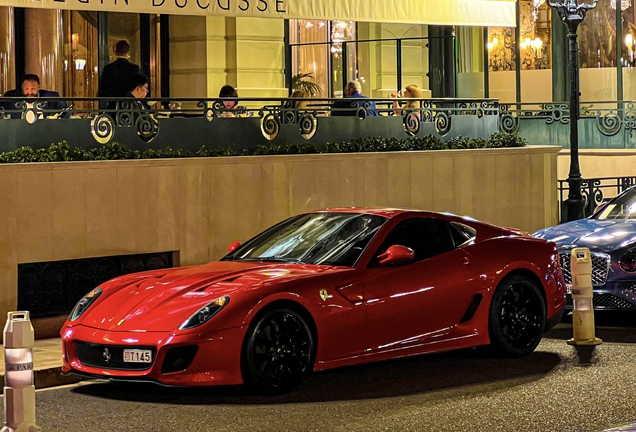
(426, 236)
(462, 233)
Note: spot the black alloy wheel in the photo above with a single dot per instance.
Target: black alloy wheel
(278, 352)
(517, 317)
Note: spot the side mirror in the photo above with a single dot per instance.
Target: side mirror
(396, 254)
(233, 246)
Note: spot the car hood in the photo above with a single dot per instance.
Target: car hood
(163, 300)
(597, 235)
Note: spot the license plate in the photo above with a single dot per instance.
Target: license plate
(568, 288)
(137, 356)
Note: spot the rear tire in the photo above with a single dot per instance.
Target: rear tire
(278, 352)
(517, 317)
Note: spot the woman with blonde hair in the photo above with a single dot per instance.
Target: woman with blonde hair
(412, 92)
(300, 94)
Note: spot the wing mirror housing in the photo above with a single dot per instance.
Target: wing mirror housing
(233, 246)
(396, 254)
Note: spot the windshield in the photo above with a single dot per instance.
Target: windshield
(621, 207)
(315, 238)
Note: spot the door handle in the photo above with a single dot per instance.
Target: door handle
(464, 261)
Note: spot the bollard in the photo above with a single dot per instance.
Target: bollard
(583, 314)
(19, 391)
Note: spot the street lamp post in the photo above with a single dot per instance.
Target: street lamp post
(572, 14)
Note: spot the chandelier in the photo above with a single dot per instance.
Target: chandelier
(625, 4)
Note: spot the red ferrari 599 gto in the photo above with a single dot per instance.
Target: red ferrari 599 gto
(317, 291)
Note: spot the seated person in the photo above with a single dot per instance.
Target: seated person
(30, 89)
(299, 94)
(139, 83)
(231, 108)
(411, 91)
(138, 92)
(343, 107)
(299, 105)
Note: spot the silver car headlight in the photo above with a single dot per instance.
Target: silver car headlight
(84, 303)
(204, 314)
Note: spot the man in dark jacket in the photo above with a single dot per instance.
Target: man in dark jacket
(344, 107)
(115, 81)
(28, 91)
(131, 108)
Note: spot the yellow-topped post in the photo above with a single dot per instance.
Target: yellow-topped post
(583, 314)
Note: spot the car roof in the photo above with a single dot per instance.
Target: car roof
(386, 212)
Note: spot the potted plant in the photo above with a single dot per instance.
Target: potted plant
(300, 82)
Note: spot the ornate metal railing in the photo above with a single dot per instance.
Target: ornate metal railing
(53, 288)
(601, 125)
(595, 192)
(192, 123)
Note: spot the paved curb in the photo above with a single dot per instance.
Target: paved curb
(52, 377)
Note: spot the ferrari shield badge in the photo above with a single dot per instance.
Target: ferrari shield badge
(323, 294)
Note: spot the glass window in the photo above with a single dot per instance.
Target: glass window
(621, 207)
(427, 237)
(536, 51)
(597, 53)
(155, 56)
(470, 62)
(7, 50)
(501, 63)
(341, 33)
(319, 51)
(80, 56)
(629, 50)
(312, 55)
(315, 238)
(462, 233)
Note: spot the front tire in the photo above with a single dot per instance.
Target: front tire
(278, 352)
(517, 317)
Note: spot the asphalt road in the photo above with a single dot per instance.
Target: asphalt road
(550, 390)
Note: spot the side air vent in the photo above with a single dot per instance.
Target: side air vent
(179, 358)
(472, 308)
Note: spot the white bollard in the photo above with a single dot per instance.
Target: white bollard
(582, 294)
(19, 391)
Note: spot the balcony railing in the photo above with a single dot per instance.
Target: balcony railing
(601, 125)
(190, 124)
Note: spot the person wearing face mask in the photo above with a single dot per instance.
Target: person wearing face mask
(28, 92)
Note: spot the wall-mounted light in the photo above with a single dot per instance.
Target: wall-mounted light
(74, 41)
(80, 63)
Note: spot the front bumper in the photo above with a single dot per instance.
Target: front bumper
(611, 296)
(217, 360)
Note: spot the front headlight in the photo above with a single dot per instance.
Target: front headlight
(84, 303)
(628, 262)
(204, 314)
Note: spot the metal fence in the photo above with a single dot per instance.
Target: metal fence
(601, 124)
(192, 123)
(595, 191)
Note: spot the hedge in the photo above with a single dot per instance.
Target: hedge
(113, 151)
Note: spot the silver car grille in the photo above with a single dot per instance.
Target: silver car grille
(600, 267)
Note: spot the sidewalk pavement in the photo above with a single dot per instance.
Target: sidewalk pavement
(47, 364)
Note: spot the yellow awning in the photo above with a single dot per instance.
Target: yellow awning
(440, 12)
